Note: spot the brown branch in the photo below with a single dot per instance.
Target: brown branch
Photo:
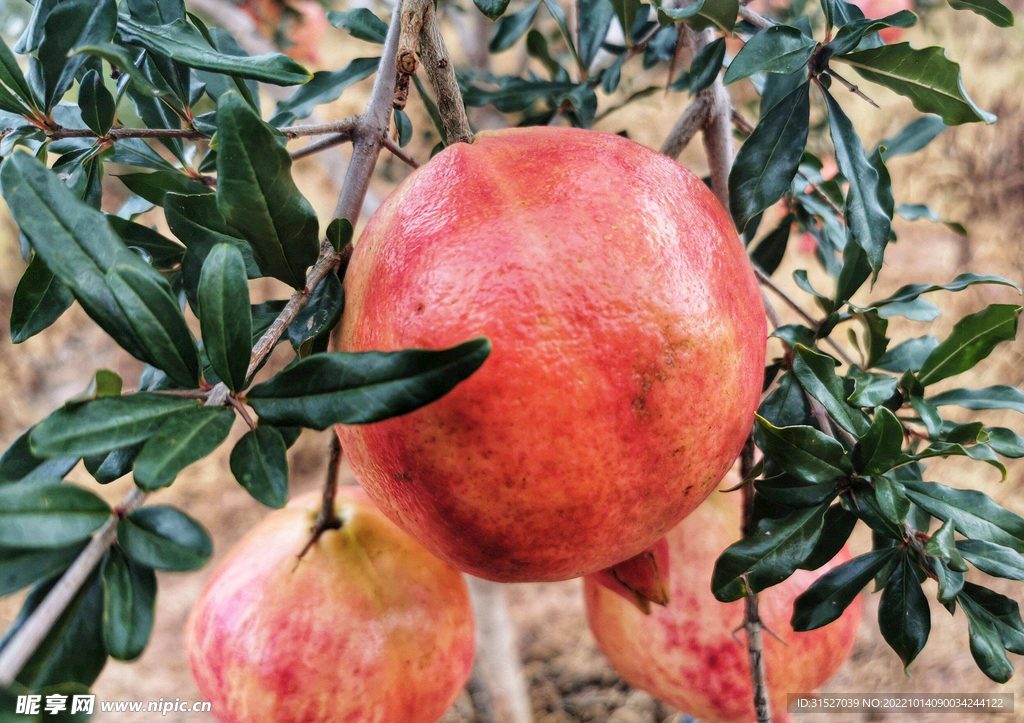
(689, 123)
(850, 86)
(190, 134)
(327, 518)
(752, 619)
(321, 145)
(758, 21)
(399, 153)
(441, 72)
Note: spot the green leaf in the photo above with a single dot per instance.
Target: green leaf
(74, 240)
(320, 314)
(776, 49)
(163, 253)
(181, 42)
(1000, 396)
(903, 615)
(339, 233)
(942, 545)
(1005, 442)
(260, 464)
(71, 23)
(992, 10)
(48, 515)
(930, 79)
(917, 211)
(325, 87)
(817, 375)
(994, 625)
(21, 567)
(593, 19)
(793, 492)
(703, 69)
(892, 502)
(110, 466)
(257, 196)
(915, 135)
(105, 424)
(164, 538)
(19, 464)
(183, 439)
(881, 447)
(840, 523)
(911, 292)
(224, 314)
(993, 559)
(119, 57)
(826, 599)
(510, 28)
(851, 34)
(870, 389)
(908, 355)
(154, 315)
(198, 223)
(556, 12)
(363, 24)
(979, 452)
(768, 160)
(38, 301)
(129, 598)
(13, 78)
(973, 338)
(403, 126)
(786, 405)
(866, 218)
(769, 556)
(772, 248)
(96, 102)
(703, 14)
(364, 387)
(155, 186)
(974, 513)
(805, 452)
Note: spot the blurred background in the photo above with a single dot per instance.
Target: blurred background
(973, 174)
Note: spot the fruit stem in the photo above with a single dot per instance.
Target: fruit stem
(327, 518)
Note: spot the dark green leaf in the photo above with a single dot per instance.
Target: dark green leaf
(851, 34)
(593, 17)
(20, 567)
(183, 43)
(556, 12)
(512, 27)
(786, 405)
(13, 78)
(999, 396)
(973, 338)
(915, 136)
(892, 502)
(908, 355)
(48, 515)
(320, 314)
(703, 69)
(880, 448)
(1004, 441)
(183, 439)
(105, 424)
(910, 292)
(772, 248)
(926, 76)
(257, 196)
(19, 464)
(403, 126)
(903, 615)
(363, 24)
(993, 559)
(198, 223)
(866, 217)
(626, 11)
(129, 598)
(805, 452)
(96, 102)
(154, 187)
(994, 625)
(826, 599)
(364, 387)
(979, 452)
(702, 14)
(992, 10)
(769, 158)
(147, 303)
(817, 375)
(974, 513)
(70, 24)
(870, 389)
(163, 253)
(339, 233)
(38, 301)
(164, 538)
(260, 464)
(840, 523)
(324, 87)
(942, 545)
(767, 557)
(110, 466)
(776, 49)
(794, 492)
(224, 314)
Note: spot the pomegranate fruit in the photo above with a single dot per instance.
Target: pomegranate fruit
(367, 626)
(686, 654)
(628, 349)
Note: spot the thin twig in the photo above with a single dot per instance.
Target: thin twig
(327, 518)
(321, 145)
(120, 133)
(850, 86)
(399, 153)
(752, 619)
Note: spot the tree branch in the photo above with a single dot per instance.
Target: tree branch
(346, 125)
(689, 123)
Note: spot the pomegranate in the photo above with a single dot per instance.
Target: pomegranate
(686, 654)
(367, 626)
(628, 349)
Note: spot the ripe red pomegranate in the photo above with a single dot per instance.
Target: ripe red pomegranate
(685, 653)
(628, 348)
(367, 626)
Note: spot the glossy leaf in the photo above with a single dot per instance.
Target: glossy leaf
(851, 34)
(129, 599)
(993, 559)
(776, 49)
(817, 375)
(12, 77)
(866, 217)
(183, 43)
(999, 396)
(870, 389)
(926, 76)
(21, 567)
(260, 464)
(594, 17)
(257, 196)
(38, 301)
(703, 69)
(840, 523)
(908, 355)
(992, 10)
(510, 28)
(96, 102)
(320, 314)
(363, 24)
(973, 338)
(974, 513)
(768, 160)
(880, 449)
(805, 452)
(105, 424)
(903, 615)
(224, 314)
(772, 248)
(702, 14)
(19, 464)
(70, 24)
(826, 599)
(767, 557)
(324, 87)
(364, 387)
(48, 515)
(164, 538)
(183, 439)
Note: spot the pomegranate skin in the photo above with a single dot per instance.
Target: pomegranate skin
(685, 653)
(367, 627)
(628, 350)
